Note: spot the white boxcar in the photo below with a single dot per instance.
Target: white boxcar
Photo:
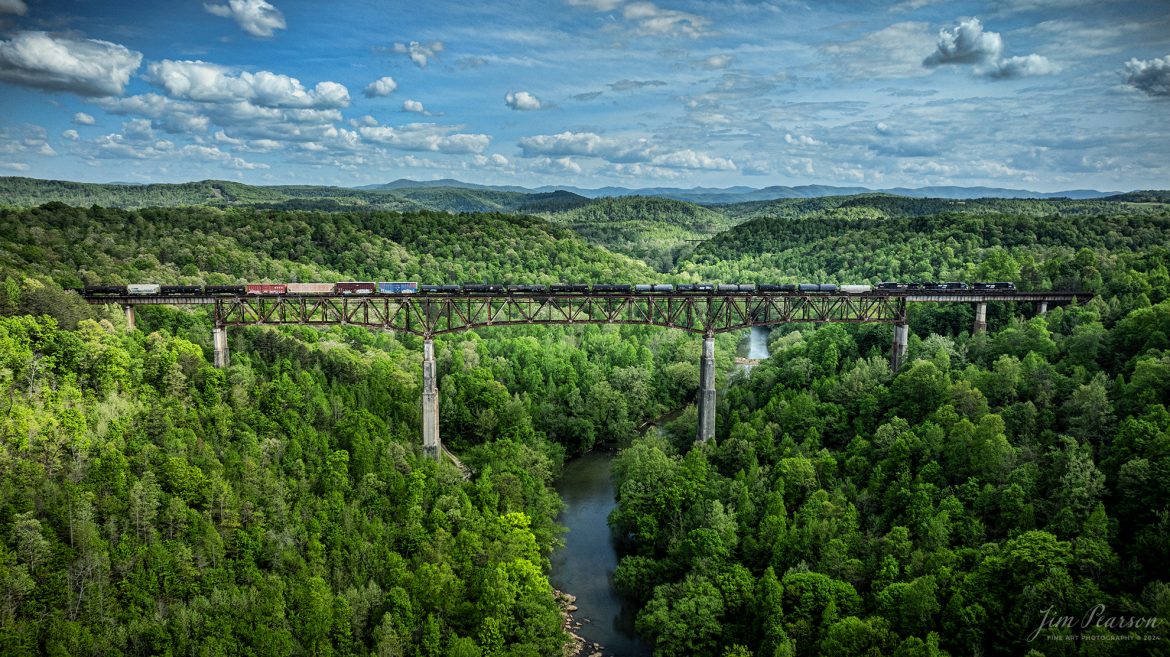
(310, 288)
(143, 288)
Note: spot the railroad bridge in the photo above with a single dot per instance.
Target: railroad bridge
(429, 314)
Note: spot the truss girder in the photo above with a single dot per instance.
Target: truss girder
(428, 315)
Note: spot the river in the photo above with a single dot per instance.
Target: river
(584, 567)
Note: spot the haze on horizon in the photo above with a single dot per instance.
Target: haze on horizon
(1039, 94)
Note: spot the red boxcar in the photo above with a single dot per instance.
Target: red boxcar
(266, 288)
(351, 287)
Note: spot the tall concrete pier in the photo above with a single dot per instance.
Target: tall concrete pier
(129, 316)
(219, 341)
(1041, 307)
(980, 317)
(898, 353)
(706, 399)
(430, 402)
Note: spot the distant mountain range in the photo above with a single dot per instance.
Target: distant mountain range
(741, 194)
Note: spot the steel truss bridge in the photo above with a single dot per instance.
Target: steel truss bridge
(430, 314)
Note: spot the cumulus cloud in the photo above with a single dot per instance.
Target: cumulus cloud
(383, 86)
(521, 101)
(419, 53)
(617, 151)
(27, 139)
(1150, 76)
(174, 116)
(81, 118)
(1022, 67)
(556, 165)
(71, 135)
(494, 160)
(204, 82)
(13, 7)
(87, 67)
(967, 43)
(256, 17)
(800, 140)
(426, 137)
(413, 106)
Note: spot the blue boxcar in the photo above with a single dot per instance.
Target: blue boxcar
(398, 288)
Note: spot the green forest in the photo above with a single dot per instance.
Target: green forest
(153, 504)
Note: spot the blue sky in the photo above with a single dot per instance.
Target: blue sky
(1038, 94)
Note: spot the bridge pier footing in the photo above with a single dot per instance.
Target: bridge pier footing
(219, 341)
(706, 401)
(980, 317)
(129, 316)
(898, 352)
(430, 403)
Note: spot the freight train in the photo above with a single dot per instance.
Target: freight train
(397, 288)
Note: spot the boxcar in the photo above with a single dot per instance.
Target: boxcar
(355, 287)
(310, 288)
(143, 288)
(265, 288)
(398, 287)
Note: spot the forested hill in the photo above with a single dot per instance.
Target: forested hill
(153, 504)
(876, 237)
(654, 230)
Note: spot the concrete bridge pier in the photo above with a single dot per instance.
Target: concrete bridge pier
(1041, 307)
(219, 340)
(980, 317)
(898, 353)
(706, 400)
(129, 316)
(430, 403)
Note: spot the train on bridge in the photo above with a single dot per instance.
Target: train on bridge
(367, 288)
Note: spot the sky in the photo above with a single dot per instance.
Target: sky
(1043, 95)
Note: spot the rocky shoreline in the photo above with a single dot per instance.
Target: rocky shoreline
(578, 646)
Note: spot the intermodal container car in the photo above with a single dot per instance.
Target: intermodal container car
(265, 288)
(310, 288)
(398, 287)
(143, 288)
(355, 287)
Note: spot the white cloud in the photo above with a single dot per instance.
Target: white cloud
(1022, 67)
(413, 106)
(652, 19)
(715, 62)
(87, 67)
(13, 7)
(71, 135)
(640, 171)
(494, 160)
(81, 118)
(891, 52)
(967, 43)
(172, 115)
(557, 165)
(426, 137)
(204, 82)
(800, 140)
(419, 53)
(383, 86)
(597, 5)
(521, 100)
(256, 17)
(616, 151)
(1151, 76)
(14, 166)
(26, 139)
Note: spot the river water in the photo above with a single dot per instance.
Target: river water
(584, 567)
